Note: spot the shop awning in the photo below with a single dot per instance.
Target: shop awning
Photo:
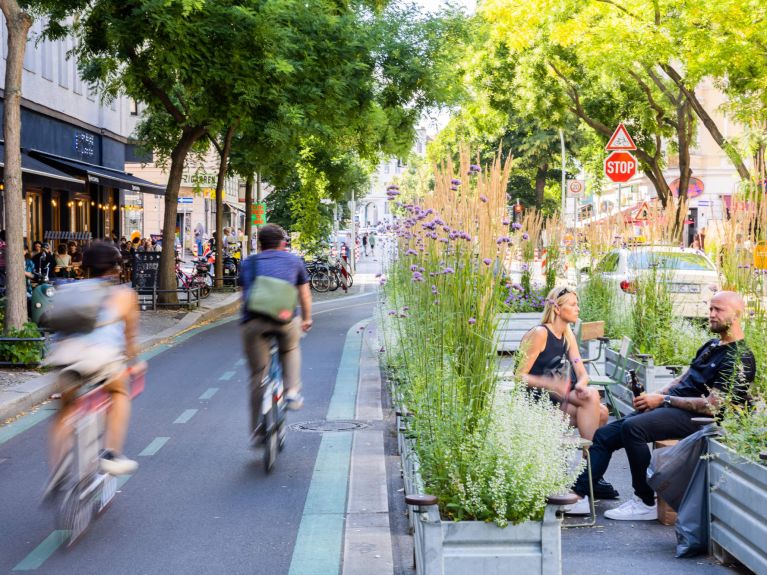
(99, 174)
(237, 207)
(36, 173)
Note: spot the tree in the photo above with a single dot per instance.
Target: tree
(19, 17)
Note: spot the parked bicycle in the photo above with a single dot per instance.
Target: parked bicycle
(188, 281)
(319, 275)
(78, 489)
(271, 430)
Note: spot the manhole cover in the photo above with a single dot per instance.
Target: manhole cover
(328, 426)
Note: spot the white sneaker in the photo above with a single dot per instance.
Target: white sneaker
(294, 401)
(582, 507)
(116, 463)
(633, 510)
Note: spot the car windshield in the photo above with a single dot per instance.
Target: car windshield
(643, 260)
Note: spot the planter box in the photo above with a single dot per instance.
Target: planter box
(737, 508)
(474, 547)
(654, 377)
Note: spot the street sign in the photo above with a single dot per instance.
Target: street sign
(620, 167)
(258, 216)
(186, 200)
(643, 213)
(620, 140)
(575, 188)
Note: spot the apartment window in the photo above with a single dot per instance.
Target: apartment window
(133, 107)
(77, 83)
(46, 54)
(30, 52)
(63, 64)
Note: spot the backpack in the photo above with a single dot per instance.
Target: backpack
(75, 307)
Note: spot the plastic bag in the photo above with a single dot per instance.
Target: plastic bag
(692, 521)
(671, 468)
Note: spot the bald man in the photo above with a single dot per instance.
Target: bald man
(722, 367)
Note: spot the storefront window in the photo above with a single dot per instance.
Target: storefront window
(34, 202)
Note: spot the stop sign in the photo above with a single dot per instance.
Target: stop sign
(620, 167)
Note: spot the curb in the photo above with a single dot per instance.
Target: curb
(25, 396)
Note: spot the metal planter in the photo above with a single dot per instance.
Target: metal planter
(472, 547)
(737, 508)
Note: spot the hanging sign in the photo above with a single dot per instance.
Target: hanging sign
(258, 215)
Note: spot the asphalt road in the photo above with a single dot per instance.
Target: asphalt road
(202, 503)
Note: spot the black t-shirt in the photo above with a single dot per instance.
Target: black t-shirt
(729, 368)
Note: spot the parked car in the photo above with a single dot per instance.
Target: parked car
(691, 276)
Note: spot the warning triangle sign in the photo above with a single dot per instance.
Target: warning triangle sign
(620, 140)
(643, 213)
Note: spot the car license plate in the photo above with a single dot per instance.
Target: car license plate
(684, 288)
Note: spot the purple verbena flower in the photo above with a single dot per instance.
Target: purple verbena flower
(525, 236)
(472, 321)
(448, 271)
(505, 221)
(455, 182)
(516, 226)
(487, 261)
(483, 198)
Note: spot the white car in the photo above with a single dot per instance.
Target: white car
(691, 276)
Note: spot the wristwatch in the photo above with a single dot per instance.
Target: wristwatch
(666, 401)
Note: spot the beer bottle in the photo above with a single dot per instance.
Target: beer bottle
(637, 388)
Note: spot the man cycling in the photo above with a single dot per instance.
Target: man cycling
(274, 261)
(108, 352)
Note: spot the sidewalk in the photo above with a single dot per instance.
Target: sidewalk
(21, 390)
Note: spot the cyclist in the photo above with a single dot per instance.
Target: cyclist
(274, 261)
(108, 353)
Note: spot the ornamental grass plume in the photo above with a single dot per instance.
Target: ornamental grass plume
(446, 351)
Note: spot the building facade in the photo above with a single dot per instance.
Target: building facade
(74, 148)
(374, 208)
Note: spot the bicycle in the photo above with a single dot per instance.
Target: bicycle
(271, 430)
(79, 490)
(187, 281)
(319, 276)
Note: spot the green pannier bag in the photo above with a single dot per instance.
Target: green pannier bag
(273, 298)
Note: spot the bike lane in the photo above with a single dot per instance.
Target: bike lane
(201, 502)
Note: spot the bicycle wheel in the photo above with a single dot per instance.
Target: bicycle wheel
(320, 281)
(271, 442)
(349, 280)
(334, 283)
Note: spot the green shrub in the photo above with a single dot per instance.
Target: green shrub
(27, 352)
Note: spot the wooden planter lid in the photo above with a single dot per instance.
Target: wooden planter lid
(421, 500)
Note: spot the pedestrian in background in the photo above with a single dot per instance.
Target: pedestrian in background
(365, 244)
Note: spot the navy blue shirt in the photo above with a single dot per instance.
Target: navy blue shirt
(729, 368)
(273, 263)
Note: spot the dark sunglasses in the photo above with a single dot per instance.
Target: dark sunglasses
(564, 291)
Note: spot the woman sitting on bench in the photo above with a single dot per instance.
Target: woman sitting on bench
(549, 358)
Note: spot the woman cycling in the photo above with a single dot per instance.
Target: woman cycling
(107, 353)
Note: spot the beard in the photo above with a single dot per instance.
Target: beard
(720, 327)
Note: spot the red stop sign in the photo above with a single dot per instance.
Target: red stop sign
(620, 167)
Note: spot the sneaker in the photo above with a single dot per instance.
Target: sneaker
(582, 507)
(116, 464)
(633, 510)
(294, 401)
(603, 490)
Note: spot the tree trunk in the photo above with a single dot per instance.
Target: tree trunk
(684, 139)
(540, 185)
(248, 209)
(219, 267)
(168, 255)
(18, 24)
(709, 124)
